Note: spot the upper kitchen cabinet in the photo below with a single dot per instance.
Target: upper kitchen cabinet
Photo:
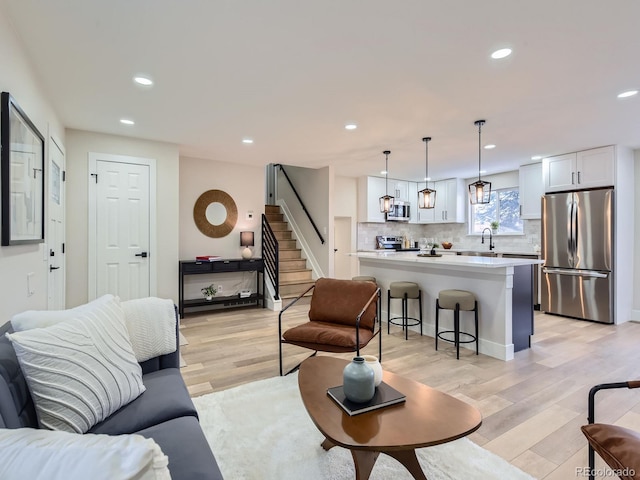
(451, 200)
(580, 170)
(370, 189)
(400, 190)
(531, 189)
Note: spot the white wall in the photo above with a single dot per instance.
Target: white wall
(79, 144)
(315, 187)
(345, 204)
(245, 184)
(18, 78)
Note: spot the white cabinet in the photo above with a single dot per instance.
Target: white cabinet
(370, 189)
(450, 201)
(400, 190)
(595, 167)
(584, 169)
(530, 190)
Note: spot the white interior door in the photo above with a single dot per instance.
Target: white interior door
(342, 245)
(122, 226)
(55, 229)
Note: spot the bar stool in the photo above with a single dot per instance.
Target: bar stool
(404, 291)
(457, 300)
(367, 278)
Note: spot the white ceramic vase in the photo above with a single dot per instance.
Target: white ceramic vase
(374, 364)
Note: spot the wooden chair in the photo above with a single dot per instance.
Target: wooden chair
(619, 447)
(343, 316)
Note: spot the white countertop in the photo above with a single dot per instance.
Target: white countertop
(446, 260)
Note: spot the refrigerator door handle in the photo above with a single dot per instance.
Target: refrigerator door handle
(570, 249)
(575, 273)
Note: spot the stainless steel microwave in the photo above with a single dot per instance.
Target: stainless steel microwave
(400, 212)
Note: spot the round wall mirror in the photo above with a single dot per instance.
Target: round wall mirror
(215, 213)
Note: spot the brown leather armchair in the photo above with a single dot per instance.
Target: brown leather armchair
(619, 447)
(343, 316)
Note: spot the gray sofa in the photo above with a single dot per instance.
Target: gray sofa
(164, 412)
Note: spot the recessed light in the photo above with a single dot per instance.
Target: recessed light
(126, 121)
(247, 140)
(536, 157)
(427, 179)
(383, 172)
(483, 171)
(628, 93)
(489, 146)
(350, 126)
(142, 80)
(503, 52)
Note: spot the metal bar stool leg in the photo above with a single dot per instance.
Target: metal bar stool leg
(456, 327)
(437, 312)
(420, 307)
(475, 308)
(405, 317)
(388, 310)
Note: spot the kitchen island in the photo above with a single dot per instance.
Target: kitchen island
(502, 286)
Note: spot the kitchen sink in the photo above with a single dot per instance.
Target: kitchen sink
(476, 253)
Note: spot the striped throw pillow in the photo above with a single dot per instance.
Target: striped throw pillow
(79, 371)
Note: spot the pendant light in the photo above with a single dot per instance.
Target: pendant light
(426, 197)
(386, 202)
(480, 191)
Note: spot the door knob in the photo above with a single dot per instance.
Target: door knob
(143, 254)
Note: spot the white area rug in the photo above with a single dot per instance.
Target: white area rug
(183, 341)
(261, 430)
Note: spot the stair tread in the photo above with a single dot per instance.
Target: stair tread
(296, 282)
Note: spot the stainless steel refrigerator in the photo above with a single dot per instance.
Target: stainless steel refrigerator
(577, 247)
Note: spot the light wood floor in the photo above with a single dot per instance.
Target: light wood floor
(532, 407)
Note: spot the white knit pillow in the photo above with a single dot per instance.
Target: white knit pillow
(46, 318)
(79, 371)
(46, 455)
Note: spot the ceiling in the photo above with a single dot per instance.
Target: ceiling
(290, 74)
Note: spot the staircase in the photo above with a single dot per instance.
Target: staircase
(294, 275)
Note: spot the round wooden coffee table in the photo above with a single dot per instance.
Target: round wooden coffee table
(427, 418)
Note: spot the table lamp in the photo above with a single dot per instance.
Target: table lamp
(246, 241)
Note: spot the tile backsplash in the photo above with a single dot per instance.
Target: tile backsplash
(455, 233)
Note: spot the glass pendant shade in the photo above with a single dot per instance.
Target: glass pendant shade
(426, 197)
(386, 201)
(479, 191)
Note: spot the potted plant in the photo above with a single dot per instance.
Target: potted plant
(209, 292)
(494, 226)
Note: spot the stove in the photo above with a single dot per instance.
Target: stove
(392, 243)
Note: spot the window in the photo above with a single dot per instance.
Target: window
(503, 208)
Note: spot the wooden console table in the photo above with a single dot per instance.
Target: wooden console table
(193, 267)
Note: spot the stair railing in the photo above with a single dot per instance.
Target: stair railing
(271, 255)
(304, 208)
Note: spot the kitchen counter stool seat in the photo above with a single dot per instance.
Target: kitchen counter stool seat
(404, 291)
(364, 278)
(457, 300)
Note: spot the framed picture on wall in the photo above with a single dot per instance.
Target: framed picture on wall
(22, 174)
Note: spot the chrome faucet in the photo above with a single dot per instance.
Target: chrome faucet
(491, 245)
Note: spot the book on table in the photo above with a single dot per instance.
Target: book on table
(385, 396)
(208, 258)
